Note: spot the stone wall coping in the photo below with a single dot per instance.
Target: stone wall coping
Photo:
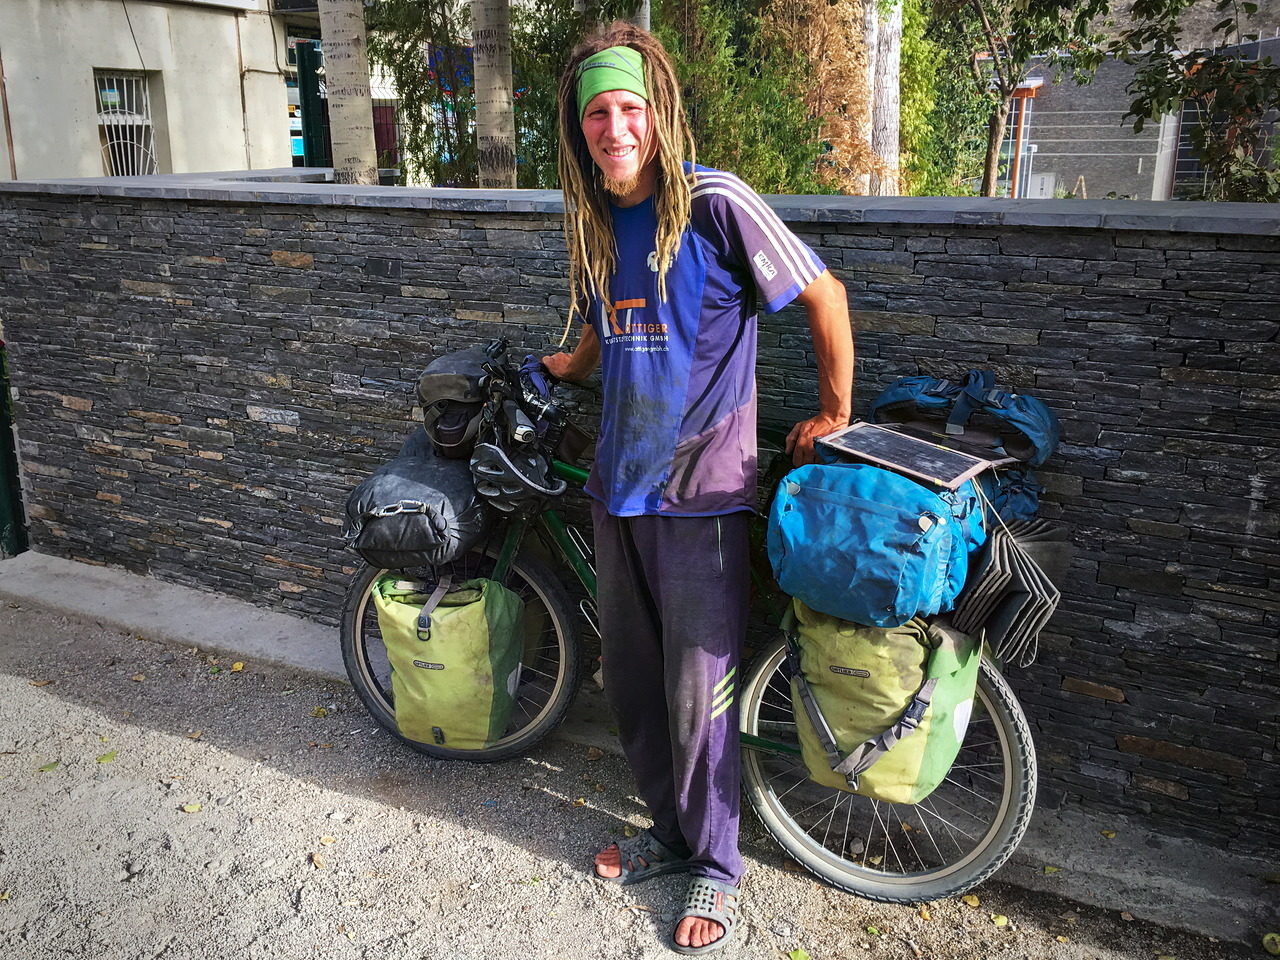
(314, 186)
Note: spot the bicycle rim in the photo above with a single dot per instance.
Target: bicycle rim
(903, 853)
(549, 664)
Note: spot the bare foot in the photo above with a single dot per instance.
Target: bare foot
(697, 932)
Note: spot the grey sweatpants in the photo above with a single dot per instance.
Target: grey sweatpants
(672, 596)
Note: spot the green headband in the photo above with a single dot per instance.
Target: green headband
(618, 68)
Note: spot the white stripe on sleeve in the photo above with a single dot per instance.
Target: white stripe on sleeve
(788, 247)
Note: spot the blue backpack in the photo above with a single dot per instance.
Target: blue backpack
(867, 545)
(1026, 427)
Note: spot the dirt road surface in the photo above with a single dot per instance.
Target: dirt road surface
(159, 802)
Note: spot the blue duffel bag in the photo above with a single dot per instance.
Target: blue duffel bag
(1026, 427)
(867, 545)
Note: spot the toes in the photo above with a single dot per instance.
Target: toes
(697, 932)
(609, 863)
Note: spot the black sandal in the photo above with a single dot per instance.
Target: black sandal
(711, 900)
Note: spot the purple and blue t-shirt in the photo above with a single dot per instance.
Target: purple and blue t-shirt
(678, 435)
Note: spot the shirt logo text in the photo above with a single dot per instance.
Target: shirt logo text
(766, 265)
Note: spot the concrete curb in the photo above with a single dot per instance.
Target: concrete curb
(1175, 882)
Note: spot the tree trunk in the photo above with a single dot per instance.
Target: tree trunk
(866, 123)
(641, 15)
(886, 105)
(346, 81)
(995, 140)
(495, 115)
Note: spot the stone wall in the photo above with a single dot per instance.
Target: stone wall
(204, 370)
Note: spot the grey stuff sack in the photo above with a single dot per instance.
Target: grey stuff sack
(418, 510)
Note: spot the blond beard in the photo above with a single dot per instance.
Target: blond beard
(620, 188)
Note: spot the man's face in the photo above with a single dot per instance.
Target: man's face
(619, 135)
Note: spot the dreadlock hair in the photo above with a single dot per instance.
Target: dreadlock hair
(588, 224)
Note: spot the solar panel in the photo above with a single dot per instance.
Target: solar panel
(886, 447)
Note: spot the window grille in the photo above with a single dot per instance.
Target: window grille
(124, 124)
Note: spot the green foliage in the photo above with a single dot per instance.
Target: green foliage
(543, 35)
(744, 95)
(943, 113)
(437, 114)
(1233, 95)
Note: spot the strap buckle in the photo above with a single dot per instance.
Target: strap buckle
(914, 714)
(403, 506)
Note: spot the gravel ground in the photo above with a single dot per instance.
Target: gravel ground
(157, 802)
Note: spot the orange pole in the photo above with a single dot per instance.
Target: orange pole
(1016, 159)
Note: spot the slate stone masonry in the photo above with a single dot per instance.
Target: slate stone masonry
(203, 370)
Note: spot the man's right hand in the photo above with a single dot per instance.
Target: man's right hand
(560, 366)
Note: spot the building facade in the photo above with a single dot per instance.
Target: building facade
(136, 87)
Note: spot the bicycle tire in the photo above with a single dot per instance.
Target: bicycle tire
(550, 671)
(881, 860)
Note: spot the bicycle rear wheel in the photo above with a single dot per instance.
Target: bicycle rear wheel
(549, 671)
(898, 853)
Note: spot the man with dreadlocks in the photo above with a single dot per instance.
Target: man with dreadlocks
(668, 262)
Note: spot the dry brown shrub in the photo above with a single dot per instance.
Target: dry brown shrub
(830, 37)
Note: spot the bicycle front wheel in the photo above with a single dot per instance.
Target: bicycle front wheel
(898, 853)
(549, 667)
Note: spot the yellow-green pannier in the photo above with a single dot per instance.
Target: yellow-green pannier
(455, 658)
(880, 711)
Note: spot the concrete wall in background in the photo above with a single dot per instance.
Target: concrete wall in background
(204, 370)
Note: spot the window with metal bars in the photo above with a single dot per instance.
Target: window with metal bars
(125, 131)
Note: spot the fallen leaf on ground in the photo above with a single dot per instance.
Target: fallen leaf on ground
(971, 900)
(108, 756)
(1062, 939)
(923, 913)
(317, 861)
(636, 906)
(873, 931)
(1271, 943)
(580, 802)
(798, 954)
(237, 666)
(51, 765)
(875, 861)
(5, 894)
(138, 677)
(328, 841)
(1048, 869)
(41, 683)
(594, 753)
(195, 734)
(215, 669)
(1109, 834)
(907, 828)
(999, 919)
(1126, 915)
(192, 807)
(629, 831)
(319, 713)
